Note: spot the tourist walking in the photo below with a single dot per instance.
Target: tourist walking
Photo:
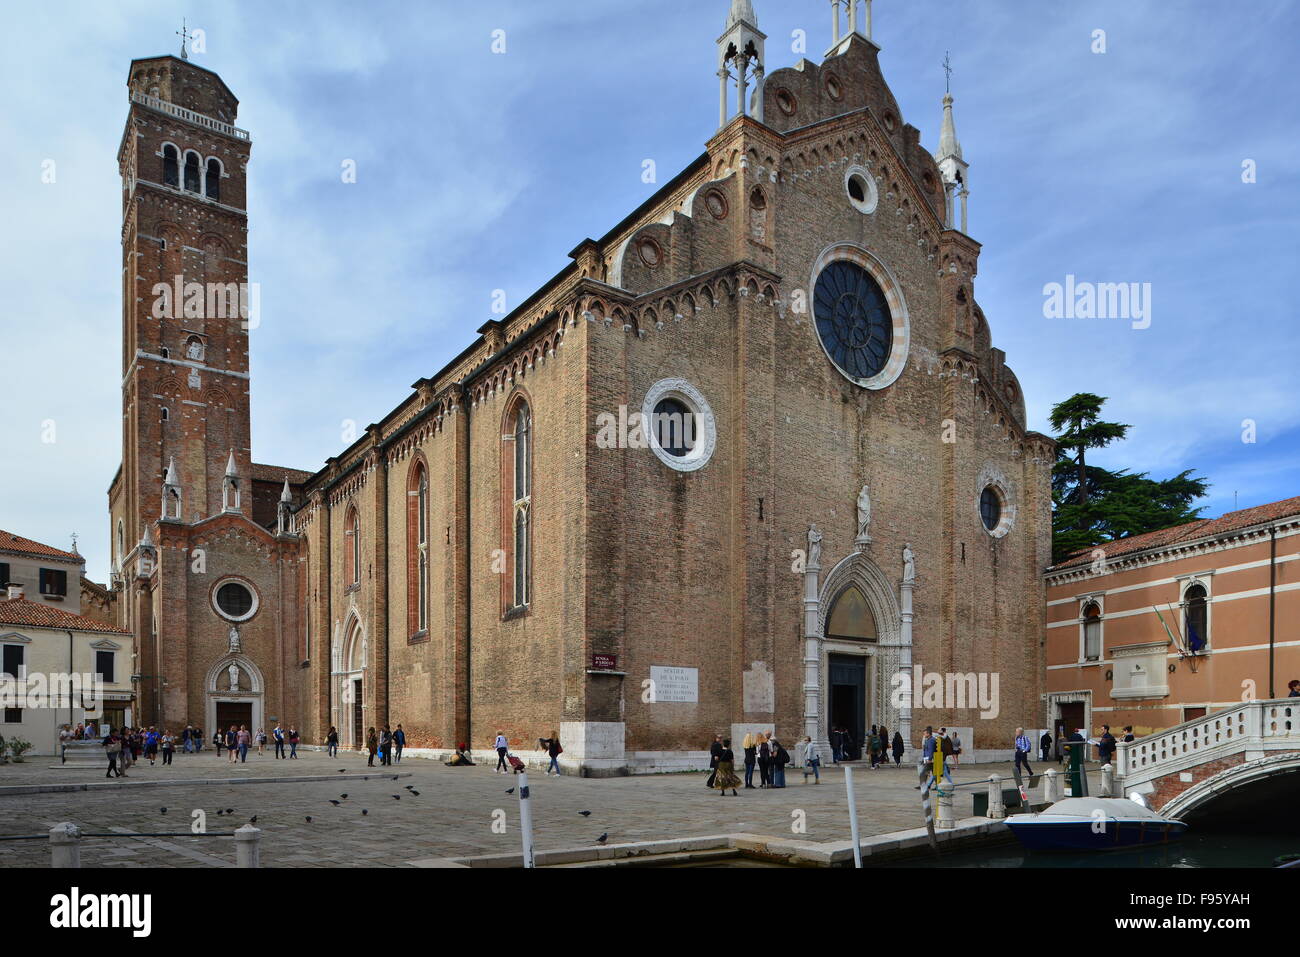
(372, 746)
(332, 742)
(232, 743)
(261, 740)
(168, 747)
(503, 748)
(399, 742)
(724, 775)
(553, 751)
(898, 749)
(811, 761)
(837, 745)
(277, 733)
(873, 747)
(1022, 750)
(750, 745)
(884, 746)
(955, 738)
(112, 748)
(1128, 732)
(186, 744)
(385, 746)
(945, 751)
(293, 742)
(1045, 746)
(243, 739)
(219, 740)
(715, 755)
(928, 746)
(197, 738)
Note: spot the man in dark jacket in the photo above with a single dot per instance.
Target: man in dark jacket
(399, 742)
(1106, 745)
(715, 755)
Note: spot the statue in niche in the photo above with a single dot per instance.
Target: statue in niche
(864, 514)
(194, 350)
(909, 564)
(234, 640)
(233, 673)
(814, 547)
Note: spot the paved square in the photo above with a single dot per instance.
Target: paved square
(452, 816)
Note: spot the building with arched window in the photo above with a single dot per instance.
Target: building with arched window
(1166, 627)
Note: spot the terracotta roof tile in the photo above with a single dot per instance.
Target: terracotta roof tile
(9, 542)
(22, 611)
(278, 473)
(1201, 528)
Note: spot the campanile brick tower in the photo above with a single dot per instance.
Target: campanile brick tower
(204, 574)
(184, 229)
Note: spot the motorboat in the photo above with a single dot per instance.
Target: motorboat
(1094, 824)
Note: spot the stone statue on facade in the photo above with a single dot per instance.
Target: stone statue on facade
(864, 515)
(814, 547)
(909, 564)
(234, 640)
(233, 673)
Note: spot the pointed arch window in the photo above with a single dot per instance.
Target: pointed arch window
(417, 550)
(518, 441)
(171, 166)
(352, 548)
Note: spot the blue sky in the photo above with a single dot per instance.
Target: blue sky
(479, 171)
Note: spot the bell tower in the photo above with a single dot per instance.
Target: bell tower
(186, 303)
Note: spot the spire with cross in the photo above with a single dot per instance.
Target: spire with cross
(184, 35)
(947, 69)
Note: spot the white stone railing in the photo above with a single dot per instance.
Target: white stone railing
(189, 116)
(1253, 727)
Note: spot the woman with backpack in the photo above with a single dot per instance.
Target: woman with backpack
(780, 758)
(372, 745)
(113, 748)
(765, 760)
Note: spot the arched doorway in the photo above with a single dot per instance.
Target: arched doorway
(849, 627)
(349, 685)
(860, 630)
(234, 688)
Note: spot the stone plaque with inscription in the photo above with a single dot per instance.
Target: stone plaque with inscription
(675, 684)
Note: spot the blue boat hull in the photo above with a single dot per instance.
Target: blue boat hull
(1082, 836)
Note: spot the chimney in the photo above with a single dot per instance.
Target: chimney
(15, 591)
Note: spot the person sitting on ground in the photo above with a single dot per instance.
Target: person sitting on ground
(461, 758)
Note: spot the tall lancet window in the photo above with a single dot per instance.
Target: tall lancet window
(417, 550)
(519, 446)
(352, 548)
(212, 181)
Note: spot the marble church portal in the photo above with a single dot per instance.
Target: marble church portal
(827, 477)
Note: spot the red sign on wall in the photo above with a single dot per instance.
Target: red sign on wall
(604, 662)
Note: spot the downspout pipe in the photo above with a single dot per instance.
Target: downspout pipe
(1272, 604)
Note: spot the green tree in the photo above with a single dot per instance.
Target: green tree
(1092, 505)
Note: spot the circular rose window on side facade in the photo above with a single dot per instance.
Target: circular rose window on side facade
(680, 425)
(234, 600)
(860, 316)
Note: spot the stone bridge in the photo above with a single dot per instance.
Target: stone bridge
(1182, 768)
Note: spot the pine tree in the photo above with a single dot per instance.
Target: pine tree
(1092, 505)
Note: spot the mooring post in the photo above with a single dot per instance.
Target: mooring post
(996, 810)
(526, 819)
(946, 819)
(248, 846)
(65, 845)
(1107, 780)
(1051, 786)
(853, 816)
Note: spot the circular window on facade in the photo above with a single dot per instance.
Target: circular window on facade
(234, 600)
(679, 425)
(786, 102)
(853, 319)
(861, 187)
(991, 508)
(833, 87)
(716, 204)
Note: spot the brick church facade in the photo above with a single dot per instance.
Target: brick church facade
(745, 460)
